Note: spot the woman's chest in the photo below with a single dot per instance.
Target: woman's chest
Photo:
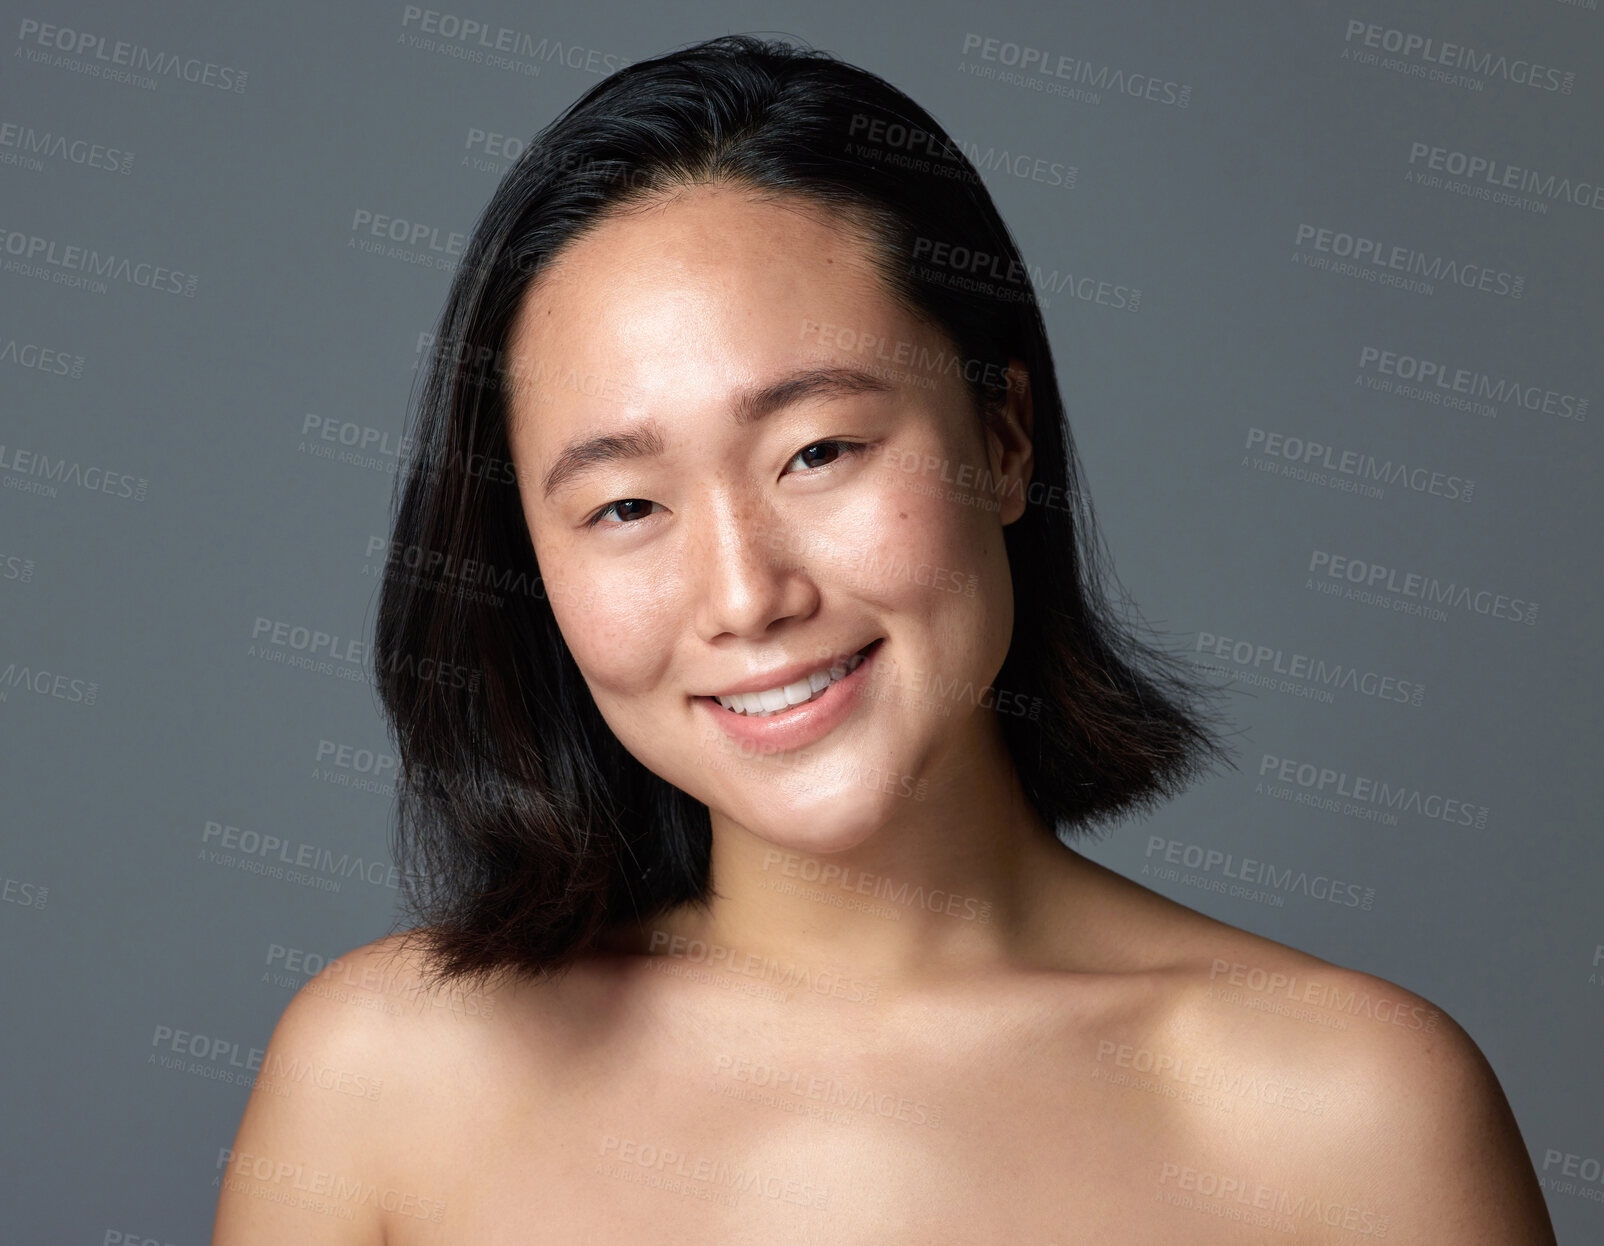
(648, 1113)
(735, 1144)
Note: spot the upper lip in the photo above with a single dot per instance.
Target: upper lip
(780, 676)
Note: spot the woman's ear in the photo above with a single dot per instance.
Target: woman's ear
(1009, 443)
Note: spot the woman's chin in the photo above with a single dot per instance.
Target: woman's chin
(821, 825)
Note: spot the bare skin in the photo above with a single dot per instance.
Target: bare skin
(1005, 1042)
(1070, 1105)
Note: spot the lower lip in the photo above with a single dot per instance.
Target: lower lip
(800, 725)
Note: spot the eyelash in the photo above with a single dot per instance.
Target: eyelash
(847, 448)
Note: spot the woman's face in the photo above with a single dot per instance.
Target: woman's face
(722, 539)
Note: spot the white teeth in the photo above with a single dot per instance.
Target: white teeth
(772, 700)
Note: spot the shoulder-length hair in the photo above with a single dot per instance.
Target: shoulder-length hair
(524, 830)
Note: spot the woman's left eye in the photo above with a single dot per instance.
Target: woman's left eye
(617, 508)
(622, 505)
(845, 448)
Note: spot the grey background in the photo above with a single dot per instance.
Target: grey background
(113, 924)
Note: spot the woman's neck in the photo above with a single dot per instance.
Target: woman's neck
(965, 879)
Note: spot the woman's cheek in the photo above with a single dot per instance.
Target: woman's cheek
(618, 631)
(911, 540)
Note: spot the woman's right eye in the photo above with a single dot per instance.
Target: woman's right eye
(618, 508)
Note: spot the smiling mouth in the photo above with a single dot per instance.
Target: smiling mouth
(774, 701)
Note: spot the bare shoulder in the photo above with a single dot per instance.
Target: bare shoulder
(1358, 1106)
(356, 1068)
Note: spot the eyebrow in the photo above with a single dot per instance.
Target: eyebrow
(752, 404)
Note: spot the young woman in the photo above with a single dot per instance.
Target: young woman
(760, 668)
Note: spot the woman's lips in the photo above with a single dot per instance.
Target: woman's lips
(798, 725)
(756, 698)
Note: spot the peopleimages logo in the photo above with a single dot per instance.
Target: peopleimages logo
(415, 235)
(1499, 181)
(47, 683)
(1359, 579)
(879, 886)
(119, 60)
(46, 359)
(784, 974)
(1269, 661)
(24, 146)
(1330, 789)
(1039, 169)
(69, 264)
(672, 1169)
(800, 1086)
(273, 856)
(1394, 264)
(996, 276)
(1426, 51)
(1321, 462)
(1255, 873)
(1434, 381)
(1049, 63)
(34, 471)
(481, 42)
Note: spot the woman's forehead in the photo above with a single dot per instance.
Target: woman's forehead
(708, 241)
(646, 305)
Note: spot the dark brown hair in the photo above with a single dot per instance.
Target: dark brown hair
(524, 828)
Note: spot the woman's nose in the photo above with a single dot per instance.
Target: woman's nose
(752, 568)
